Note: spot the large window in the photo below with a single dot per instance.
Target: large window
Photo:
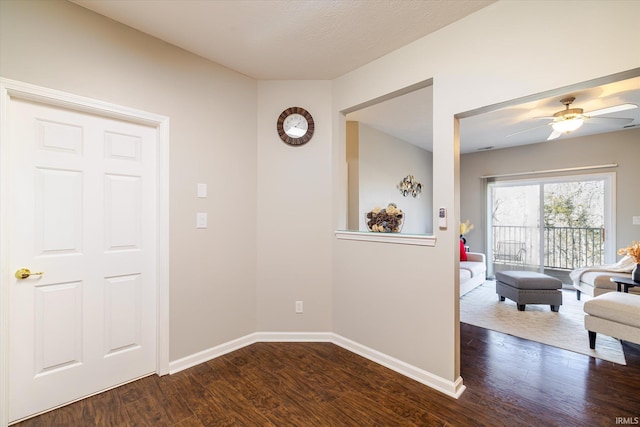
(550, 225)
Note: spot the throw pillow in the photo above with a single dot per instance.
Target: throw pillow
(463, 252)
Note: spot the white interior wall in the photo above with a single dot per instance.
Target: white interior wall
(502, 52)
(294, 211)
(383, 162)
(212, 111)
(406, 307)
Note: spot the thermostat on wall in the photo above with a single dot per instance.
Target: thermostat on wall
(442, 218)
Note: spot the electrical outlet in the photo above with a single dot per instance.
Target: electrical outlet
(299, 307)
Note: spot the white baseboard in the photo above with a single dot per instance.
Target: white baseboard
(450, 388)
(209, 354)
(453, 389)
(228, 347)
(294, 337)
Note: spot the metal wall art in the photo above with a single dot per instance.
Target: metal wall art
(409, 186)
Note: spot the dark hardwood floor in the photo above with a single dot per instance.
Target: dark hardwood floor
(510, 382)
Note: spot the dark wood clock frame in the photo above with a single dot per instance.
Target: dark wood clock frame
(295, 141)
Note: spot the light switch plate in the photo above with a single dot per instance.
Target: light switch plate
(202, 190)
(636, 220)
(201, 220)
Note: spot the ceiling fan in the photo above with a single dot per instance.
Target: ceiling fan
(570, 119)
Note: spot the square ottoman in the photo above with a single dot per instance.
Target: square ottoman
(529, 287)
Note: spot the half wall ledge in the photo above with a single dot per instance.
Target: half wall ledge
(396, 238)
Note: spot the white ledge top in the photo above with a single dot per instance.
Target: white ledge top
(397, 238)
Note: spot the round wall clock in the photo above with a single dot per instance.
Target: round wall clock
(295, 126)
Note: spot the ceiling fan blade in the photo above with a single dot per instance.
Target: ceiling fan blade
(614, 121)
(609, 110)
(527, 130)
(555, 134)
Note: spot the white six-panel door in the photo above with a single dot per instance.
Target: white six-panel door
(84, 213)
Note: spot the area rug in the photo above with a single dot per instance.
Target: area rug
(564, 329)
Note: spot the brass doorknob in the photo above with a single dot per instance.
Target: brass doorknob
(24, 273)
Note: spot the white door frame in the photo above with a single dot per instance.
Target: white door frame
(11, 89)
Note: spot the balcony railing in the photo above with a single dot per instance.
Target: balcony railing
(565, 248)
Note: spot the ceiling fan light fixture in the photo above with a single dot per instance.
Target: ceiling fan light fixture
(568, 125)
(565, 121)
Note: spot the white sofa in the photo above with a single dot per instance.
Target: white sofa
(596, 280)
(594, 283)
(473, 272)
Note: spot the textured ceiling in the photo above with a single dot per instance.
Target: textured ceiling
(288, 39)
(324, 39)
